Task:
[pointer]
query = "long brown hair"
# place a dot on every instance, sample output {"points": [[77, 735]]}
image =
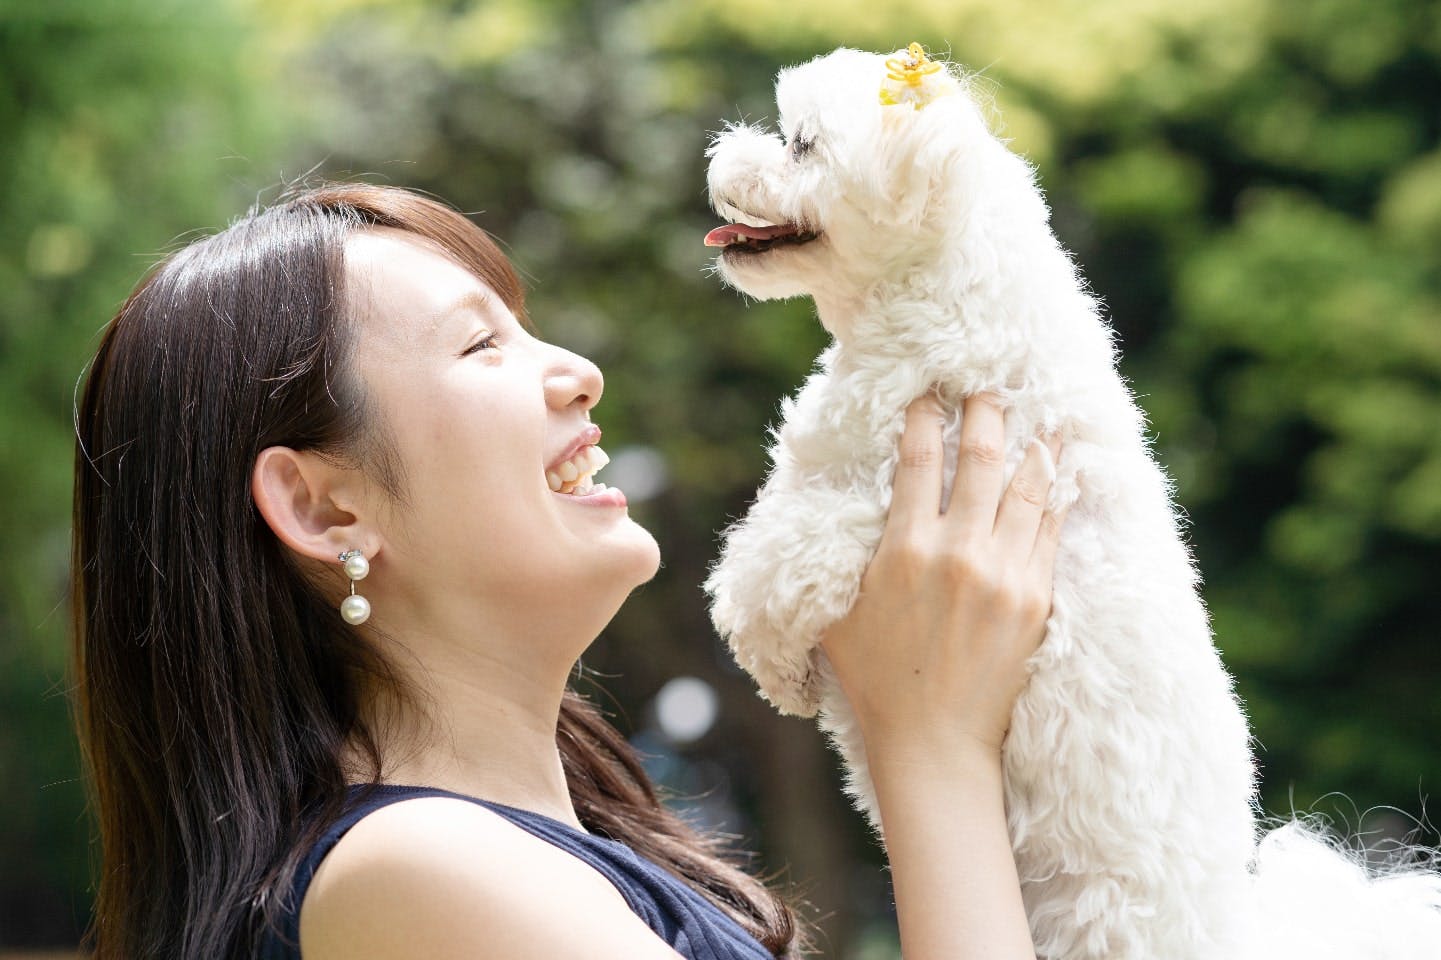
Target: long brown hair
{"points": [[216, 688]]}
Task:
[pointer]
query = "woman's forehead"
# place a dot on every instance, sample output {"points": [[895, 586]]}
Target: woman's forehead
{"points": [[407, 285]]}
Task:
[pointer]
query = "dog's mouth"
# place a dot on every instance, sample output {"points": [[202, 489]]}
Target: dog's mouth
{"points": [[740, 237]]}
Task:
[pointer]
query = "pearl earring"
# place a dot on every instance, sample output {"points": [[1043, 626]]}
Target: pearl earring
{"points": [[355, 609]]}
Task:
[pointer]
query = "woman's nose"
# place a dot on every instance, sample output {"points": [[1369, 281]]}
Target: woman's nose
{"points": [[572, 379]]}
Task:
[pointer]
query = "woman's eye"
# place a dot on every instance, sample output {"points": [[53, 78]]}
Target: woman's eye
{"points": [[488, 343]]}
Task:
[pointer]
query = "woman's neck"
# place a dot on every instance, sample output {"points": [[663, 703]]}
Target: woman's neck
{"points": [[477, 724]]}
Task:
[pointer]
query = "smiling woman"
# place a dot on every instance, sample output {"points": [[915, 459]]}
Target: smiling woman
{"points": [[340, 393], [347, 370]]}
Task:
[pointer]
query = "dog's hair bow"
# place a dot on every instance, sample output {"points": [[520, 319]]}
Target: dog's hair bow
{"points": [[909, 79]]}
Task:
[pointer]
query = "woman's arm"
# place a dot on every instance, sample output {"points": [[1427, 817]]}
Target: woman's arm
{"points": [[932, 657]]}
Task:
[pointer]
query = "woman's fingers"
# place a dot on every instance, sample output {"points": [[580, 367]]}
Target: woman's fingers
{"points": [[1025, 498], [980, 466], [1015, 519], [938, 638], [1048, 540], [916, 493]]}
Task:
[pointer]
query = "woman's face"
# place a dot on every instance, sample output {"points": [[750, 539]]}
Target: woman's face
{"points": [[480, 412]]}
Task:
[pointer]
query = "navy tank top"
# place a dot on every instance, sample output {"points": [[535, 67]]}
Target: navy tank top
{"points": [[693, 926]]}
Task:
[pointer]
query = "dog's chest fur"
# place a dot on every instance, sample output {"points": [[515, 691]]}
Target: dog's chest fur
{"points": [[1126, 685]]}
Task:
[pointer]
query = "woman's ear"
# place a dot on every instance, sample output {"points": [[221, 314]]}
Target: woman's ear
{"points": [[304, 500]]}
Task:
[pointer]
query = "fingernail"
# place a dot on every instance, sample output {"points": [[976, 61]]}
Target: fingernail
{"points": [[1049, 459]]}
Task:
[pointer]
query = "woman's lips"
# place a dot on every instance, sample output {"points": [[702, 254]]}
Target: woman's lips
{"points": [[588, 437], [599, 496]]}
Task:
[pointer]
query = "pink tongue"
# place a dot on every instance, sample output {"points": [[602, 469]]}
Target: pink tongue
{"points": [[731, 232]]}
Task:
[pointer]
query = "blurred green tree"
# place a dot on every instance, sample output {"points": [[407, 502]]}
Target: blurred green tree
{"points": [[126, 123], [1254, 189], [1271, 248]]}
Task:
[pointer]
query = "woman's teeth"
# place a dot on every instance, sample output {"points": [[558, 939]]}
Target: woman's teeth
{"points": [[574, 475]]}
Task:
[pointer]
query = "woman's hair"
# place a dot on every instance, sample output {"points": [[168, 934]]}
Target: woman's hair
{"points": [[217, 689]]}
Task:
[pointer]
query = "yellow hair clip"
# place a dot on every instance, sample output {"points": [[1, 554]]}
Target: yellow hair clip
{"points": [[906, 79]]}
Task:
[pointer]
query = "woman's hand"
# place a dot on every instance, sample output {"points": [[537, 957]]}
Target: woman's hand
{"points": [[933, 652]]}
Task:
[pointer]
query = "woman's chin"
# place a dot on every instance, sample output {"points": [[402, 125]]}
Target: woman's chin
{"points": [[622, 557], [624, 565], [640, 557]]}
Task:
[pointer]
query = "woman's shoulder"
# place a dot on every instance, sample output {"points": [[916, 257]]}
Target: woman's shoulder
{"points": [[440, 876]]}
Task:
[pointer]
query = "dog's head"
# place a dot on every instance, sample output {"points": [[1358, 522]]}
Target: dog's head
{"points": [[861, 184]]}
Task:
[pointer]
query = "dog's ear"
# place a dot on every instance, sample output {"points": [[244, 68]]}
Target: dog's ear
{"points": [[921, 149], [909, 156]]}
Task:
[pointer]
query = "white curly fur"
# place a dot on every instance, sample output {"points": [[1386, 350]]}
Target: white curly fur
{"points": [[1129, 780]]}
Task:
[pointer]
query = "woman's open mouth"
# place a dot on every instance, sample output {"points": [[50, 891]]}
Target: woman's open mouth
{"points": [[740, 237], [569, 476], [572, 477]]}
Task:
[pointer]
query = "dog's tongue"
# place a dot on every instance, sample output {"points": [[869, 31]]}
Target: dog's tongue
{"points": [[731, 232]]}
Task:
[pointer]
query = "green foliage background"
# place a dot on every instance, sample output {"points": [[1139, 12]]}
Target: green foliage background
{"points": [[1253, 186]]}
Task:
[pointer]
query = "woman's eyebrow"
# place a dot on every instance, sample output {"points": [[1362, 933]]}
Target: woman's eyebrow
{"points": [[480, 302]]}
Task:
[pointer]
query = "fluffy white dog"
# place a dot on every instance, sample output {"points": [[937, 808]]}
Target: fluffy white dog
{"points": [[1129, 780]]}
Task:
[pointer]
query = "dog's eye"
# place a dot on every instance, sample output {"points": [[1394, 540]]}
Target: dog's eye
{"points": [[800, 146]]}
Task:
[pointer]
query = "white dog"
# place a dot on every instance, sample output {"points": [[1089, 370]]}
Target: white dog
{"points": [[1129, 780]]}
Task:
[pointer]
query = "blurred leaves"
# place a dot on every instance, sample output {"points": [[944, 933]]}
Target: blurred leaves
{"points": [[124, 123], [1254, 188]]}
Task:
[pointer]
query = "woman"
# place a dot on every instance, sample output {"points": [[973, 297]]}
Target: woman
{"points": [[339, 396]]}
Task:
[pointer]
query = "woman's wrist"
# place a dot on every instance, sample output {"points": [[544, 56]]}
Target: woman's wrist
{"points": [[930, 753], [943, 814]]}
